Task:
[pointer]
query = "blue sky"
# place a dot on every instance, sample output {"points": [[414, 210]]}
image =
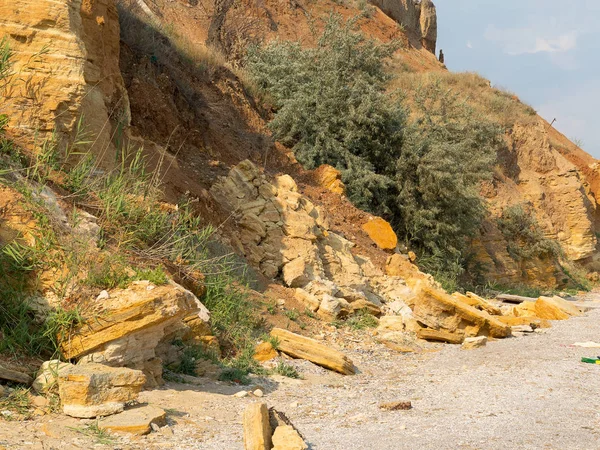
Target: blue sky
{"points": [[545, 51]]}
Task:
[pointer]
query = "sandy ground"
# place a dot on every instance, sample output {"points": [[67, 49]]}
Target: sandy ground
{"points": [[528, 392]]}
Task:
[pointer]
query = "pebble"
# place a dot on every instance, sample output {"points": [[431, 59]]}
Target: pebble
{"points": [[103, 296], [241, 394], [258, 393]]}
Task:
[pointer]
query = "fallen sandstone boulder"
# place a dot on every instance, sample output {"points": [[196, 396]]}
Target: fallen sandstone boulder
{"points": [[257, 428], [330, 178], [93, 390], [135, 328], [305, 348], [137, 420], [474, 342], [440, 311], [440, 336], [381, 233]]}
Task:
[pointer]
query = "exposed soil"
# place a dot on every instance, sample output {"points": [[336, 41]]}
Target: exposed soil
{"points": [[529, 392]]}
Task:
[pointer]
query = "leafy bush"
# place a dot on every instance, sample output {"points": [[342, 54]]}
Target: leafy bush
{"points": [[449, 150], [524, 236], [332, 107]]}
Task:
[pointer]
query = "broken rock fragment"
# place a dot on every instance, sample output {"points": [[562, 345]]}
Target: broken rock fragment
{"points": [[138, 420], [93, 390], [305, 348], [257, 428]]}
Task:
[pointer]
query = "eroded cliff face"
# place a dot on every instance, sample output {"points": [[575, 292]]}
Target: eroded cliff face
{"points": [[419, 19], [65, 66]]}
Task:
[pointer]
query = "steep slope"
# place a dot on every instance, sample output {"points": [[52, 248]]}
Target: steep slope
{"points": [[196, 118]]}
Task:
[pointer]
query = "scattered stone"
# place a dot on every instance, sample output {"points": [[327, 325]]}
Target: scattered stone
{"points": [[257, 429], [264, 352], [522, 329], [396, 406], [92, 390], [14, 375], [241, 394], [471, 343], [286, 437], [381, 232], [535, 321], [104, 295], [280, 302], [330, 178], [166, 431], [140, 420], [47, 378], [305, 348], [440, 335], [258, 393]]}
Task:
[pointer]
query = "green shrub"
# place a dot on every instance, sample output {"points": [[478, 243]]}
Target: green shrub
{"points": [[286, 370], [332, 107], [524, 236], [448, 152]]}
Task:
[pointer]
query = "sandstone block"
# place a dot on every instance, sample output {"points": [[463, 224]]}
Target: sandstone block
{"points": [[128, 328], [474, 342], [92, 390], [381, 232], [308, 299], [441, 336], [286, 438], [264, 352], [512, 321], [391, 323], [294, 273], [547, 308], [257, 429], [332, 308], [305, 348], [330, 178], [563, 304], [365, 305], [439, 310], [137, 420]]}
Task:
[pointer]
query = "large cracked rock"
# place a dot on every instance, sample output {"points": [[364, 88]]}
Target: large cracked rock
{"points": [[135, 327], [440, 311], [93, 390]]}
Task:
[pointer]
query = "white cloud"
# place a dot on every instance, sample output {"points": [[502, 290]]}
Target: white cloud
{"points": [[519, 41], [469, 44]]}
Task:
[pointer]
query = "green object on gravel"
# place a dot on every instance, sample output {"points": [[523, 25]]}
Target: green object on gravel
{"points": [[591, 360]]}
